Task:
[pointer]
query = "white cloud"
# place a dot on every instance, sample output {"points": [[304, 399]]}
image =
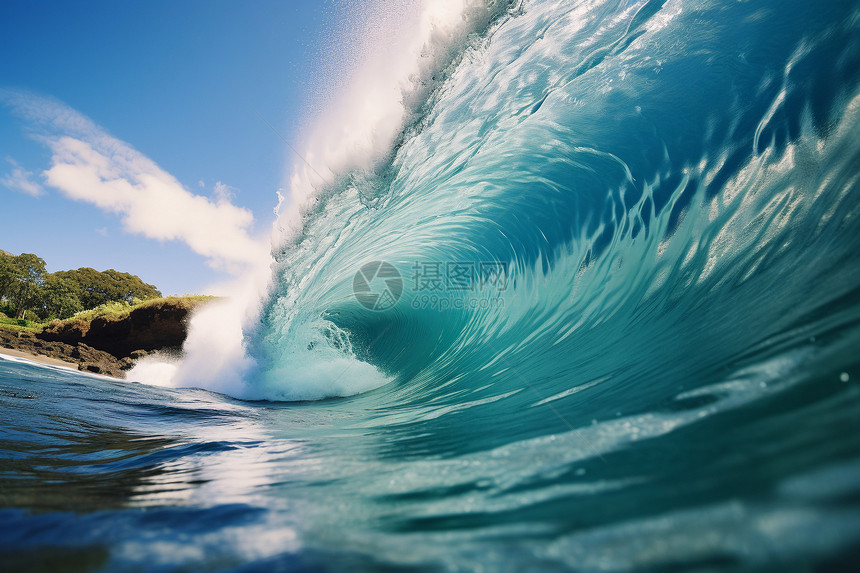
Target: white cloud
{"points": [[88, 164], [223, 192], [21, 180]]}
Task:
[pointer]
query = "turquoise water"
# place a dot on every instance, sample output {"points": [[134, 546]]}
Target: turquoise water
{"points": [[617, 329]]}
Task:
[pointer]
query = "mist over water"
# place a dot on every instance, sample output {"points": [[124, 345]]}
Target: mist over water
{"points": [[617, 327]]}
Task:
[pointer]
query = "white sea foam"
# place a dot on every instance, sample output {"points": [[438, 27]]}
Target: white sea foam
{"points": [[215, 354]]}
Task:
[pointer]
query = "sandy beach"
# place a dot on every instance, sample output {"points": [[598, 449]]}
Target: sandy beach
{"points": [[37, 358]]}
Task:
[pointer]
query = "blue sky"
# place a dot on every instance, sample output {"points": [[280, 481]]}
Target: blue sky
{"points": [[179, 82]]}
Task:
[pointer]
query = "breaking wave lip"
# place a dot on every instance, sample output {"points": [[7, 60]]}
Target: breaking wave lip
{"points": [[382, 102]]}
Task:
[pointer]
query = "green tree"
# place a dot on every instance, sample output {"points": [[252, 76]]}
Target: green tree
{"points": [[9, 273], [128, 287], [27, 290], [95, 288], [59, 298]]}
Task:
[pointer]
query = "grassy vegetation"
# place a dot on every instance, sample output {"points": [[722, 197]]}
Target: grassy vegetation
{"points": [[110, 311], [120, 309], [15, 325]]}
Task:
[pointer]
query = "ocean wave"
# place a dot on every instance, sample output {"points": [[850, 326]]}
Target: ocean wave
{"points": [[663, 187]]}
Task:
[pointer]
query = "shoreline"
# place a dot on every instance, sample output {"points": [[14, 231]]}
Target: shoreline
{"points": [[39, 358], [108, 345], [78, 356]]}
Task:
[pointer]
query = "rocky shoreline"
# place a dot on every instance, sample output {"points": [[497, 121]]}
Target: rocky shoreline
{"points": [[86, 358], [105, 346]]}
